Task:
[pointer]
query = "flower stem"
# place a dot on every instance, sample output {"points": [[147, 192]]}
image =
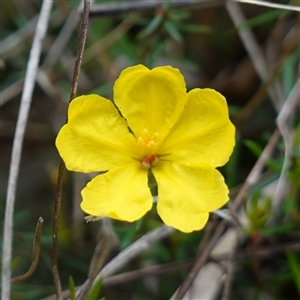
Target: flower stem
{"points": [[82, 39]]}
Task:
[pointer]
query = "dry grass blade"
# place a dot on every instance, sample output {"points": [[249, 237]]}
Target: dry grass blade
{"points": [[31, 73]]}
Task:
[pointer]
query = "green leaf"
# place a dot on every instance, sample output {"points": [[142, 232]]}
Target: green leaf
{"points": [[289, 71], [263, 18], [254, 147], [172, 30], [279, 229], [153, 25], [72, 288], [294, 266], [95, 291], [190, 28]]}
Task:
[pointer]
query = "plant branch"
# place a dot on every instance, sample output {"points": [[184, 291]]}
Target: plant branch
{"points": [[254, 52], [26, 98], [35, 252], [82, 39], [287, 111], [117, 8], [270, 4], [106, 243]]}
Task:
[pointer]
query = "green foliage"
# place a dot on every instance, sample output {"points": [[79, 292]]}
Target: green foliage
{"points": [[95, 291], [72, 288], [258, 211], [294, 264], [264, 18], [289, 71], [254, 147]]}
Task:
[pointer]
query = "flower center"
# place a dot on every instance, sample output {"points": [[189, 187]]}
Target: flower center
{"points": [[149, 144], [148, 162]]}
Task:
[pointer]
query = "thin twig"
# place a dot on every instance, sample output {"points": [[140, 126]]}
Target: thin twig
{"points": [[230, 268], [200, 261], [158, 270], [270, 4], [12, 91], [288, 110], [254, 52], [13, 40], [116, 8], [81, 45], [18, 142], [55, 230], [105, 244], [142, 244], [9, 44], [35, 252], [63, 38], [253, 176], [258, 97], [82, 39]]}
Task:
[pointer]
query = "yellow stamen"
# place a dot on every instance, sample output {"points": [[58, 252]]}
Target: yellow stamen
{"points": [[148, 143]]}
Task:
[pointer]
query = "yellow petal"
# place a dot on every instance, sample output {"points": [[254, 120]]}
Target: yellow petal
{"points": [[204, 133], [96, 137], [187, 194], [150, 99], [121, 193]]}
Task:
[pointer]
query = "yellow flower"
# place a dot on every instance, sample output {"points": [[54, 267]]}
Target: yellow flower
{"points": [[153, 123]]}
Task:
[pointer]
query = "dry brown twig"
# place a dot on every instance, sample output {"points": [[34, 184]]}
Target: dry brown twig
{"points": [[35, 252], [31, 73], [270, 4], [249, 41], [105, 244], [288, 132], [81, 44], [115, 8], [63, 38]]}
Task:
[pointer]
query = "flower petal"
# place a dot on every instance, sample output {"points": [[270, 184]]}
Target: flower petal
{"points": [[150, 99], [96, 137], [203, 133], [187, 194], [121, 193]]}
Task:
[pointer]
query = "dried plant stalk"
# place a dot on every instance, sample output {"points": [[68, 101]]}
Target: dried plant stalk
{"points": [[82, 39], [31, 73], [35, 252]]}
